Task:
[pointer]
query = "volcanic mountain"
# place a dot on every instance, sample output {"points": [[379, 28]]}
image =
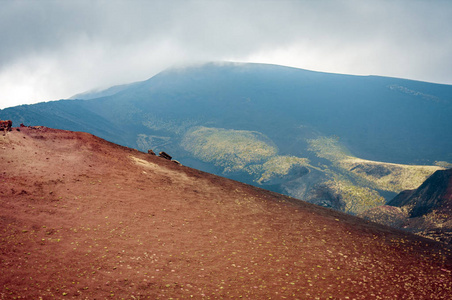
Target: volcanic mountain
{"points": [[81, 217], [346, 142]]}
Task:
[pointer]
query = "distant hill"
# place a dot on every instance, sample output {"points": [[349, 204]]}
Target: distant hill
{"points": [[84, 218], [426, 210], [325, 138], [435, 194]]}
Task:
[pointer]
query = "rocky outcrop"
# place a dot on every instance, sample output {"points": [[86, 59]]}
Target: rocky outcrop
{"points": [[435, 194], [426, 211], [165, 155], [6, 125]]}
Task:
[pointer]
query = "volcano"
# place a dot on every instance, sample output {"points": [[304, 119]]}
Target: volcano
{"points": [[346, 142]]}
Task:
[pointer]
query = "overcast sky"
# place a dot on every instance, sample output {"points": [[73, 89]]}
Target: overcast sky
{"points": [[54, 49]]}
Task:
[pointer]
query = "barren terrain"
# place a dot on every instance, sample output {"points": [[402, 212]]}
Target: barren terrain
{"points": [[84, 218]]}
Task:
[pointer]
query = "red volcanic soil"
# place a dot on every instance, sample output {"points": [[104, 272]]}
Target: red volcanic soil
{"points": [[84, 218]]}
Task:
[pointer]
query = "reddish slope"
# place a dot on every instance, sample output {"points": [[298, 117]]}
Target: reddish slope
{"points": [[81, 217]]}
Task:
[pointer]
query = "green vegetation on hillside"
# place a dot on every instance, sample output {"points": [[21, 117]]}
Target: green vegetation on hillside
{"points": [[352, 180], [379, 175], [388, 176], [241, 150], [443, 164], [357, 180], [328, 148], [230, 149], [280, 166], [357, 198]]}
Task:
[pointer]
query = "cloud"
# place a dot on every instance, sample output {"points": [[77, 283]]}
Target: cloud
{"points": [[54, 49]]}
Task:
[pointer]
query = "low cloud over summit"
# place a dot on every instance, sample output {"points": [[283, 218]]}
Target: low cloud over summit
{"points": [[52, 50]]}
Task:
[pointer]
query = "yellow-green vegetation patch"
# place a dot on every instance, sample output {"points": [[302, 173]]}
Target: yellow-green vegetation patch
{"points": [[329, 148], [443, 164], [228, 148], [379, 175], [357, 199], [280, 165], [388, 176]]}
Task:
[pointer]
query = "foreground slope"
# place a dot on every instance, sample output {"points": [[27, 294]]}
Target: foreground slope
{"points": [[82, 217]]}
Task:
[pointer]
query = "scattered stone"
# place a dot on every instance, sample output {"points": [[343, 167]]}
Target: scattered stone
{"points": [[6, 125], [165, 155]]}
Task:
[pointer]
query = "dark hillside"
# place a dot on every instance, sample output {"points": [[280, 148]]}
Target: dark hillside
{"points": [[434, 194], [426, 210]]}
